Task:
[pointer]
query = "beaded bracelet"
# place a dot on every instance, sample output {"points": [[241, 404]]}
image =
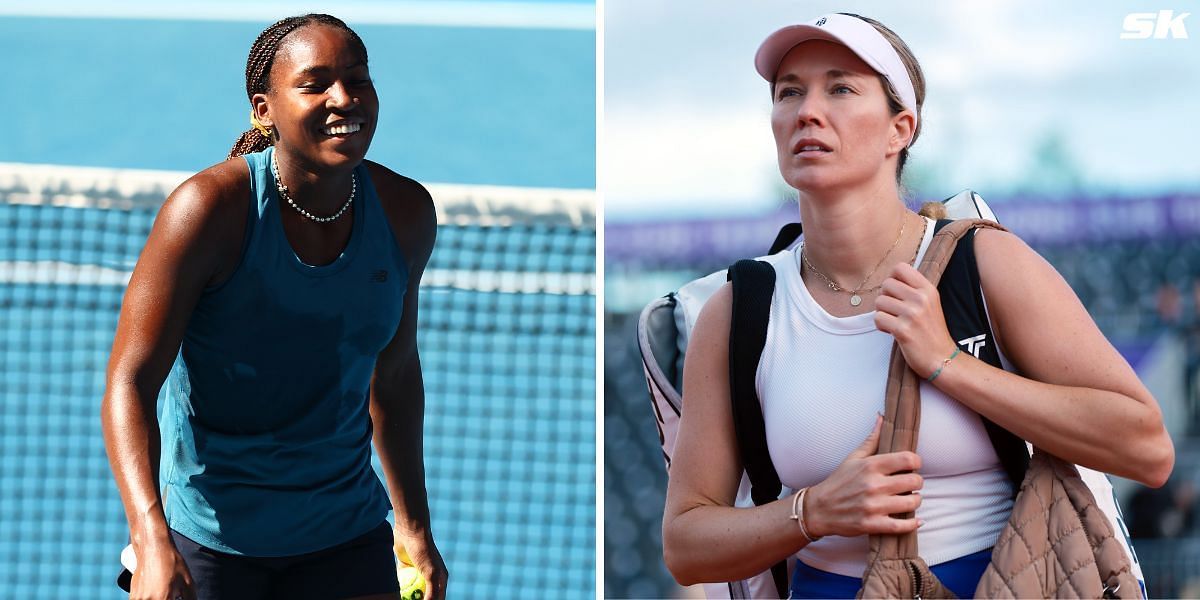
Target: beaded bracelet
{"points": [[798, 514], [944, 363]]}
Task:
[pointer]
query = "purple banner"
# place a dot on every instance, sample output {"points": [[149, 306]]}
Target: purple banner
{"points": [[1038, 222]]}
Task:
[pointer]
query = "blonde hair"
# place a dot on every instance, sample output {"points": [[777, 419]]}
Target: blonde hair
{"points": [[914, 73], [933, 210]]}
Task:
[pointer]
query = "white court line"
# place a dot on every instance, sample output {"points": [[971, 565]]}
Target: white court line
{"points": [[464, 13], [513, 282]]}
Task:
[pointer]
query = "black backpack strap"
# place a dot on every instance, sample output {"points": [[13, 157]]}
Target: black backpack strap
{"points": [[967, 321], [753, 286], [787, 234]]}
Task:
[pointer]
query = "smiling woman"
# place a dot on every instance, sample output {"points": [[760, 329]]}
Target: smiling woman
{"points": [[289, 335]]}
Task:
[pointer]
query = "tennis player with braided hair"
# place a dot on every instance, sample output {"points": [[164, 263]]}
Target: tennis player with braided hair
{"points": [[846, 98], [278, 292]]}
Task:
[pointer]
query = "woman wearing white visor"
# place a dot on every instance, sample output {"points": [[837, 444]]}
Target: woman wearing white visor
{"points": [[847, 95]]}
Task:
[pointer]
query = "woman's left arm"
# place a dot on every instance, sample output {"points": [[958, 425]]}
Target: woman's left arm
{"points": [[1075, 396], [397, 387]]}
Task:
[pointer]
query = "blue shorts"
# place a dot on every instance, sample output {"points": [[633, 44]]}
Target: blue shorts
{"points": [[362, 566], [960, 576]]}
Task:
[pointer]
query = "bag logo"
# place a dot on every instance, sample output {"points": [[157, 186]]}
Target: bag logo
{"points": [[974, 344]]}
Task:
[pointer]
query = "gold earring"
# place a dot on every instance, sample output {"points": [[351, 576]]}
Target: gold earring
{"points": [[265, 130]]}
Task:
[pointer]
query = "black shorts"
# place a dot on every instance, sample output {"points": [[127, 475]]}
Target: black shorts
{"points": [[362, 566]]}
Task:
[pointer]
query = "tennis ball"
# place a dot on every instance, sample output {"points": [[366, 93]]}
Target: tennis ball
{"points": [[412, 585]]}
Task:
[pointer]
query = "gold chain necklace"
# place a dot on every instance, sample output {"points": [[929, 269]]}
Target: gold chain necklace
{"points": [[855, 297]]}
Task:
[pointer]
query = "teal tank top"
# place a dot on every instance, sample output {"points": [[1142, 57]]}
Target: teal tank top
{"points": [[266, 434]]}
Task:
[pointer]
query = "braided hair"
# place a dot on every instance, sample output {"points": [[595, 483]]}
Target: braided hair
{"points": [[258, 68]]}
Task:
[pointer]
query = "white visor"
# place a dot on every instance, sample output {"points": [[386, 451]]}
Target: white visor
{"points": [[859, 36]]}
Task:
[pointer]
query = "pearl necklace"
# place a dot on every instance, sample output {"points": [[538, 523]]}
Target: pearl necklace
{"points": [[283, 193]]}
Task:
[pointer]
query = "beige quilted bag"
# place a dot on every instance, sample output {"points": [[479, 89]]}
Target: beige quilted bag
{"points": [[1057, 543]]}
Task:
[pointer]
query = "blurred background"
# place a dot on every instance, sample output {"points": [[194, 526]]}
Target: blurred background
{"points": [[1085, 144], [108, 106]]}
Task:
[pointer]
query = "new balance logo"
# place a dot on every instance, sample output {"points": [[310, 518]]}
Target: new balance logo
{"points": [[974, 344], [379, 276]]}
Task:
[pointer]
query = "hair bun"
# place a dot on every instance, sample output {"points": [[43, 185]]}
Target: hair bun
{"points": [[933, 210]]}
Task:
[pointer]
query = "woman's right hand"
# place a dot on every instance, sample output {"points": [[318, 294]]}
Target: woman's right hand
{"points": [[860, 496], [161, 574]]}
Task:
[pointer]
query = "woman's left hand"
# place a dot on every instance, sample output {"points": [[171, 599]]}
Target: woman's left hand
{"points": [[426, 558], [910, 309]]}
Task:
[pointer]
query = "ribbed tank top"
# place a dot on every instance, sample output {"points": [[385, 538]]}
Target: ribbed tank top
{"points": [[821, 380], [266, 429]]}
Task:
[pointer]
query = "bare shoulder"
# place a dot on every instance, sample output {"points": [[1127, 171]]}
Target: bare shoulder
{"points": [[402, 194], [410, 211], [712, 325], [993, 241], [1040, 324], [206, 215], [1008, 267], [212, 196], [394, 186]]}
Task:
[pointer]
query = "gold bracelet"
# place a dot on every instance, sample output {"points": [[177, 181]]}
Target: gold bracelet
{"points": [[798, 514]]}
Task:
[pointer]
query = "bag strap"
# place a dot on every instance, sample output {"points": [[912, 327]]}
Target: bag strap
{"points": [[753, 286], [902, 401], [787, 234], [967, 320]]}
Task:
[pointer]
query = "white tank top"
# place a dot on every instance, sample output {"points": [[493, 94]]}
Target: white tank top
{"points": [[821, 381]]}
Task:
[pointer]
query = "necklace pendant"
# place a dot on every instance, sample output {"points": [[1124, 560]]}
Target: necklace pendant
{"points": [[855, 300]]}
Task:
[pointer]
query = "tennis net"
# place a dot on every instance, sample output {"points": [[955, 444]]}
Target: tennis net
{"points": [[507, 343]]}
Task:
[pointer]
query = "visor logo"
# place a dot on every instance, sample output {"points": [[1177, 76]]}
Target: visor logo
{"points": [[1161, 25], [821, 22]]}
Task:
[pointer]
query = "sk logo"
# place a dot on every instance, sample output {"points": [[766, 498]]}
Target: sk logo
{"points": [[1160, 26], [379, 276], [974, 344]]}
